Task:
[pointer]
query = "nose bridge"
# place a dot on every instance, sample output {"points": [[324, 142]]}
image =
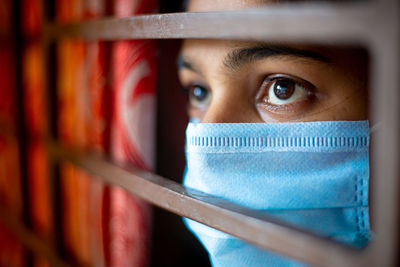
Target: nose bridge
{"points": [[221, 114], [229, 106]]}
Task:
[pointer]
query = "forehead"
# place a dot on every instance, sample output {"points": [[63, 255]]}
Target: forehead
{"points": [[350, 59], [215, 5]]}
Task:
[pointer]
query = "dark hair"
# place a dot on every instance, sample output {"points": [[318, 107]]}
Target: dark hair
{"points": [[184, 5]]}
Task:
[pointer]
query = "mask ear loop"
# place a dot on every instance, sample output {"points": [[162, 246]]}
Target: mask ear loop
{"points": [[375, 128]]}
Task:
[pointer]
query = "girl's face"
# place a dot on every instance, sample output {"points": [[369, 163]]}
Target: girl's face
{"points": [[238, 81]]}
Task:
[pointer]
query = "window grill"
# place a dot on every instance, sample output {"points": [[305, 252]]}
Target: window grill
{"points": [[371, 24]]}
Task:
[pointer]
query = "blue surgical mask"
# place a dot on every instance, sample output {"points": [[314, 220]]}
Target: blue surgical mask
{"points": [[312, 174]]}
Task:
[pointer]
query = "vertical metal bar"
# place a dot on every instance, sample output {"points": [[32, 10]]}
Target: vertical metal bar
{"points": [[22, 133], [50, 72], [385, 145]]}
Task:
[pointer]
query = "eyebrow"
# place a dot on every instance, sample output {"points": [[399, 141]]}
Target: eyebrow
{"points": [[239, 57], [184, 63], [242, 56]]}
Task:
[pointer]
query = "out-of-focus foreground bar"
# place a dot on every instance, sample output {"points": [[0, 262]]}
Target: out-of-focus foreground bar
{"points": [[345, 23], [261, 230]]}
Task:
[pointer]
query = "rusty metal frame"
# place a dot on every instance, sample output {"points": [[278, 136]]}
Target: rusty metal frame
{"points": [[373, 24], [351, 22]]}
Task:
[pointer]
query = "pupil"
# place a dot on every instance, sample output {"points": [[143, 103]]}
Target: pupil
{"points": [[199, 93], [284, 88]]}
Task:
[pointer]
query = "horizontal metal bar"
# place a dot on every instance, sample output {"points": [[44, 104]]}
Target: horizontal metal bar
{"points": [[31, 240], [300, 22], [261, 230]]}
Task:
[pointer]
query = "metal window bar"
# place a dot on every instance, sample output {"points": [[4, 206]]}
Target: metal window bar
{"points": [[372, 24], [352, 23], [30, 240]]}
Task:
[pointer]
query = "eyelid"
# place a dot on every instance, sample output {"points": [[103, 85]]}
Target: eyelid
{"points": [[289, 108], [309, 86]]}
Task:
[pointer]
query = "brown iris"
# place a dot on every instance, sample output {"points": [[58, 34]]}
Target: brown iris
{"points": [[284, 88]]}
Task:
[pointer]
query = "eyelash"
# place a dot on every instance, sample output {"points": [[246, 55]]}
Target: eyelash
{"points": [[263, 95], [263, 98]]}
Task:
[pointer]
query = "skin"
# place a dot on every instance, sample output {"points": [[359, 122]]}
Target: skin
{"points": [[237, 81]]}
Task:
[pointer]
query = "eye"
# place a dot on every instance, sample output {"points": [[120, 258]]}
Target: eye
{"points": [[283, 90], [199, 96]]}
